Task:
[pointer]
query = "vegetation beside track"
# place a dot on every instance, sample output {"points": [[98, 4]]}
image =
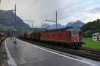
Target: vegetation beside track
{"points": [[91, 44]]}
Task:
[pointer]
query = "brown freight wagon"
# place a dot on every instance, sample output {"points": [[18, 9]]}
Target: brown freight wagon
{"points": [[25, 35], [22, 35], [36, 36], [29, 35]]}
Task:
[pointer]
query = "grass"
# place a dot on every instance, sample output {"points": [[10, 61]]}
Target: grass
{"points": [[91, 44]]}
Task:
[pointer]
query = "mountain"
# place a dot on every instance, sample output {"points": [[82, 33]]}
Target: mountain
{"points": [[76, 24], [7, 22], [53, 26], [8, 18], [91, 27]]}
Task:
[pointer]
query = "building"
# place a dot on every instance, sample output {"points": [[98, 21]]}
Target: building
{"points": [[96, 36]]}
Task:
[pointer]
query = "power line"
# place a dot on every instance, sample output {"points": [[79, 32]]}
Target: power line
{"points": [[78, 13], [82, 11], [64, 8], [54, 11], [28, 8], [72, 5]]}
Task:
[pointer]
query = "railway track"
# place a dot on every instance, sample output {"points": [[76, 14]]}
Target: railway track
{"points": [[84, 52], [93, 51]]}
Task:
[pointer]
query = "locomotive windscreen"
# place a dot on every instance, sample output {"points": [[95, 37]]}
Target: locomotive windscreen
{"points": [[75, 33]]}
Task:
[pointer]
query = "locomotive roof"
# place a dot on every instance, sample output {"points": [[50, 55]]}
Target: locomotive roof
{"points": [[62, 29], [54, 30], [29, 32], [74, 29]]}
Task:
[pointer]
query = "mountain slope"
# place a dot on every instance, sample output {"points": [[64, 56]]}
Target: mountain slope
{"points": [[7, 22], [8, 18], [75, 25]]}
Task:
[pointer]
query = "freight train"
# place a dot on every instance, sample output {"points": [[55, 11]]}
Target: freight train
{"points": [[65, 37]]}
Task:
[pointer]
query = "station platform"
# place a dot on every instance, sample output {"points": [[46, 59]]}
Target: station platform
{"points": [[28, 54]]}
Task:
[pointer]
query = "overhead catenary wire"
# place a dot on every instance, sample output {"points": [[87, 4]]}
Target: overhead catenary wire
{"points": [[71, 5], [63, 8], [58, 9], [52, 12], [28, 8], [82, 11], [84, 18], [76, 14], [74, 5]]}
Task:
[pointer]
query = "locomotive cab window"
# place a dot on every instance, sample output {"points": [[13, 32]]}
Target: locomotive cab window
{"points": [[68, 33], [80, 33], [53, 34], [60, 34], [75, 33]]}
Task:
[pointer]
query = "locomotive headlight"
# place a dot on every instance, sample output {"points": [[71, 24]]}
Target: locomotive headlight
{"points": [[73, 40]]}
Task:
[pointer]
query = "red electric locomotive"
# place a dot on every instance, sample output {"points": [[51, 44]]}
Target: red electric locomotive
{"points": [[67, 37]]}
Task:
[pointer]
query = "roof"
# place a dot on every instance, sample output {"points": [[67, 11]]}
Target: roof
{"points": [[54, 30], [30, 32], [96, 33]]}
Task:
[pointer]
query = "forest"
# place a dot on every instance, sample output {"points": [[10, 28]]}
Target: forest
{"points": [[91, 27]]}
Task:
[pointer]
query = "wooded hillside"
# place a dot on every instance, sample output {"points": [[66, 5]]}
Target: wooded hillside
{"points": [[91, 27]]}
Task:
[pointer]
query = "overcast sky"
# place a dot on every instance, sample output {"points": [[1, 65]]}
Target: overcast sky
{"points": [[68, 10]]}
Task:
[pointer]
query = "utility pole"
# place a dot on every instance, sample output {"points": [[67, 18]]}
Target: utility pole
{"points": [[32, 26], [15, 26], [30, 21], [0, 49], [15, 16], [56, 19], [51, 20]]}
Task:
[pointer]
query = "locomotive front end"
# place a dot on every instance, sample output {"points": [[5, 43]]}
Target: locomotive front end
{"points": [[76, 38], [76, 35]]}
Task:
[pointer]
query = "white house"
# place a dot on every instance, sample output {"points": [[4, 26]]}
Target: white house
{"points": [[96, 36]]}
